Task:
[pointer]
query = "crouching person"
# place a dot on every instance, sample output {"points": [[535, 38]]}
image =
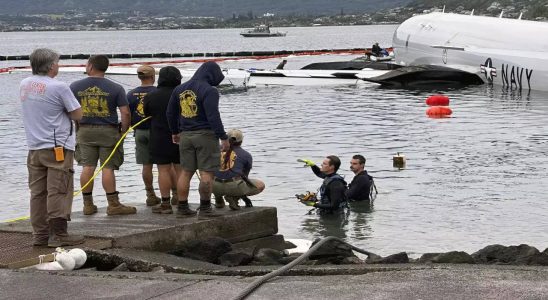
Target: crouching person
{"points": [[231, 182]]}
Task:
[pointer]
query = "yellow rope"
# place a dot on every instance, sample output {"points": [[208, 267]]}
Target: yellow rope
{"points": [[96, 172]]}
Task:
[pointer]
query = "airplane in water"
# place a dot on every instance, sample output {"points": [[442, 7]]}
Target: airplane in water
{"points": [[443, 47]]}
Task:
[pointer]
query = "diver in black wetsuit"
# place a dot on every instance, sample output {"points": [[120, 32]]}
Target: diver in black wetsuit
{"points": [[360, 187], [332, 192]]}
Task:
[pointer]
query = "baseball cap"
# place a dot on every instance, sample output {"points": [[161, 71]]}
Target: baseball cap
{"points": [[146, 70], [236, 135]]}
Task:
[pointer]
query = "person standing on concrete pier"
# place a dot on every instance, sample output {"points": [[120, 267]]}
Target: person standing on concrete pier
{"points": [[48, 108], [99, 132], [147, 76], [163, 152], [195, 121]]}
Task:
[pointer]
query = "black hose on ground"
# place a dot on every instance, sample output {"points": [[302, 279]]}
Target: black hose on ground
{"points": [[255, 284]]}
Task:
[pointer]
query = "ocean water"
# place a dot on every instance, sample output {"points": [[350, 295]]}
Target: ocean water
{"points": [[471, 180]]}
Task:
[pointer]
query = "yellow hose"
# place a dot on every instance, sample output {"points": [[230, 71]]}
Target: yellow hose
{"points": [[96, 172]]}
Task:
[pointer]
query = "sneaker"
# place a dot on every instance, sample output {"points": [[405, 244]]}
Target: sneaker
{"points": [[174, 200], [153, 200], [185, 212], [59, 240], [163, 208], [206, 212], [41, 241], [219, 202], [247, 201], [233, 202]]}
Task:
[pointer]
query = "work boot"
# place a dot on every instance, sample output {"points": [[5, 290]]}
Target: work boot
{"points": [[163, 208], [152, 199], [117, 208], [40, 241], [219, 201], [184, 211], [233, 202], [247, 201], [89, 207], [59, 236], [206, 212], [174, 198]]}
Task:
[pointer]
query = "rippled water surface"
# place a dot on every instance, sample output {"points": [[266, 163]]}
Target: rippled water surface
{"points": [[471, 180]]}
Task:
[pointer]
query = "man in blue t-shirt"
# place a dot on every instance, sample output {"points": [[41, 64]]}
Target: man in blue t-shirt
{"points": [[135, 97], [232, 179], [99, 132]]}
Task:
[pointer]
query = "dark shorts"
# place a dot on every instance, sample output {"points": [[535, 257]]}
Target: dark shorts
{"points": [[200, 150], [96, 143], [142, 140]]}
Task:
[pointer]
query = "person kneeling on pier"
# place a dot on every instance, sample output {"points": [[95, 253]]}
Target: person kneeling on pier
{"points": [[231, 181], [332, 195]]}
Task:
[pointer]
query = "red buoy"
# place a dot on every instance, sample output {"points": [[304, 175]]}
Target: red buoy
{"points": [[437, 100], [438, 112]]}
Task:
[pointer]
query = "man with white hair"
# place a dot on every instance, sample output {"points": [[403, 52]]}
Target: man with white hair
{"points": [[48, 108]]}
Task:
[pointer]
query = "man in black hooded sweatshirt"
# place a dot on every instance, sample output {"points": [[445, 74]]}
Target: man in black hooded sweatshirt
{"points": [[162, 151], [196, 125]]}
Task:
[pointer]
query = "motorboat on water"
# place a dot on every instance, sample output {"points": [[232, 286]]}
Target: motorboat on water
{"points": [[261, 31]]}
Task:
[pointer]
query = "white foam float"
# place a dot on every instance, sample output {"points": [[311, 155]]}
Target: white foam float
{"points": [[63, 260], [302, 246]]}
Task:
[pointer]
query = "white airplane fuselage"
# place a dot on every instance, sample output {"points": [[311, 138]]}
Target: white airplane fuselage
{"points": [[508, 52]]}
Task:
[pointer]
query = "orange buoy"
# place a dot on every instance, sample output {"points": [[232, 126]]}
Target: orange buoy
{"points": [[438, 112], [437, 100]]}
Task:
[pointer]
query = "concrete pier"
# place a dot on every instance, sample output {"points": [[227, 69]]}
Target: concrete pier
{"points": [[144, 230]]}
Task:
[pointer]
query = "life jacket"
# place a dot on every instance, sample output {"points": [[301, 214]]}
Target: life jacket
{"points": [[324, 197]]}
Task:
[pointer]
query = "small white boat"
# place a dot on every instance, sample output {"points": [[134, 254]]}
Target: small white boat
{"points": [[261, 31]]}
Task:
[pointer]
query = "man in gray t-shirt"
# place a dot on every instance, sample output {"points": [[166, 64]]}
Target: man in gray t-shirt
{"points": [[48, 107], [99, 132]]}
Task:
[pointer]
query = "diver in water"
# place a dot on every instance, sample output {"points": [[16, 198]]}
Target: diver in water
{"points": [[332, 196]]}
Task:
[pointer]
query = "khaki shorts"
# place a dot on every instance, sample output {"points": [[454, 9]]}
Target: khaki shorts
{"points": [[142, 152], [199, 150], [94, 143], [235, 188]]}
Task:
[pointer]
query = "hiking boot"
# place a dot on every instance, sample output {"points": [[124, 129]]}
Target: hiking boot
{"points": [[59, 236], [89, 207], [163, 208], [152, 199], [117, 208], [233, 202], [174, 198], [247, 201], [206, 212], [184, 211], [219, 201], [40, 241]]}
